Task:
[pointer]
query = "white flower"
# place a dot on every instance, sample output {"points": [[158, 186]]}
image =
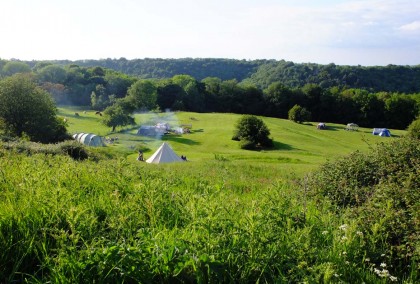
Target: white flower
{"points": [[367, 259], [336, 275], [359, 233], [384, 273], [344, 253], [383, 255], [383, 264], [324, 232], [343, 227], [393, 278]]}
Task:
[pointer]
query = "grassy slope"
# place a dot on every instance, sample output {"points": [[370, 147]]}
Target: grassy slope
{"points": [[298, 147]]}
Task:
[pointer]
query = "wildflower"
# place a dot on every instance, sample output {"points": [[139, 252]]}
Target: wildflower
{"points": [[343, 227], [393, 278], [384, 273], [367, 259], [359, 233], [383, 264], [344, 253], [383, 255], [324, 232]]}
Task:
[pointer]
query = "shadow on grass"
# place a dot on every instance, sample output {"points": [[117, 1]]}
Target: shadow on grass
{"points": [[281, 146], [180, 139], [332, 128]]}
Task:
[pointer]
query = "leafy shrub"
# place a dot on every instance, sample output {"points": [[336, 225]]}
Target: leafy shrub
{"points": [[381, 191], [350, 181], [253, 131], [414, 129], [73, 149], [70, 148], [247, 145], [299, 114]]}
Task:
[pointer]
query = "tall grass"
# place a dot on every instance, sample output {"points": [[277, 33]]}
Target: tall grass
{"points": [[112, 221]]}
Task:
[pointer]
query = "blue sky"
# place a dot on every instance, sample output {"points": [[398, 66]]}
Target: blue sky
{"points": [[366, 32]]}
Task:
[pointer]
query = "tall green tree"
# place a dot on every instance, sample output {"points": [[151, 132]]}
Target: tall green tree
{"points": [[252, 132], [143, 95], [14, 67], [52, 74], [299, 114], [400, 111], [116, 115], [27, 110]]}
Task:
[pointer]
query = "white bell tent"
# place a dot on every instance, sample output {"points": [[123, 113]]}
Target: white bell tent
{"points": [[164, 154]]}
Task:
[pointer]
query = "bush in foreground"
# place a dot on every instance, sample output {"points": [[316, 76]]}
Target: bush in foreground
{"points": [[414, 129], [381, 191]]}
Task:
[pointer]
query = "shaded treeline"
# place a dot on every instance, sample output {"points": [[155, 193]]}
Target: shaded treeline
{"points": [[101, 87], [262, 73]]}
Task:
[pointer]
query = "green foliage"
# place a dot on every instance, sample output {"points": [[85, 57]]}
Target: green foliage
{"points": [[92, 222], [70, 148], [252, 132], [14, 67], [299, 114], [142, 95], [414, 129], [116, 115], [28, 111], [381, 188]]}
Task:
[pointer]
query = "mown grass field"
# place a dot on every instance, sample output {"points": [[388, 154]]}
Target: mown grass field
{"points": [[299, 148]]}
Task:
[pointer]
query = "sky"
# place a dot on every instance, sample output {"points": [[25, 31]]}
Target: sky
{"points": [[344, 32]]}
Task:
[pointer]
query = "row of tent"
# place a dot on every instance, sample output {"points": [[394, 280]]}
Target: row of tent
{"points": [[164, 154], [383, 132]]}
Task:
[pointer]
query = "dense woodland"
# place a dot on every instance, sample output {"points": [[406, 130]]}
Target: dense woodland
{"points": [[369, 96], [391, 78]]}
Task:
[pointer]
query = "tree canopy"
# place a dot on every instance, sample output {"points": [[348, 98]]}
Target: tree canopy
{"points": [[252, 132], [27, 110]]}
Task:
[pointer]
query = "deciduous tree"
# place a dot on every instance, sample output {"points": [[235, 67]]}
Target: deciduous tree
{"points": [[252, 132], [27, 110]]}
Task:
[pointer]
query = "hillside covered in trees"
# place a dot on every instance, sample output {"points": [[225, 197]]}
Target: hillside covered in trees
{"points": [[385, 96], [391, 78]]}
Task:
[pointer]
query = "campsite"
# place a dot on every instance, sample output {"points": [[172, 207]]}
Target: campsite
{"points": [[226, 215], [298, 148]]}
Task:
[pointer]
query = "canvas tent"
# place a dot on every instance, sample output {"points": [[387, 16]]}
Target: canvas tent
{"points": [[89, 139], [321, 126], [352, 127], [147, 130], [381, 132], [164, 154]]}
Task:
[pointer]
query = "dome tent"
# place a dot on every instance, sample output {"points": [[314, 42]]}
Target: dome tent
{"points": [[164, 154], [381, 132], [89, 139]]}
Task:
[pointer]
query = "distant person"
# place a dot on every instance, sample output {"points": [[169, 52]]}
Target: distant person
{"points": [[184, 157], [140, 156]]}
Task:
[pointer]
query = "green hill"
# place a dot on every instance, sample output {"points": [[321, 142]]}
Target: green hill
{"points": [[297, 147]]}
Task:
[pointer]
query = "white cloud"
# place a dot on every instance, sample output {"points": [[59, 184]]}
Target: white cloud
{"points": [[413, 27]]}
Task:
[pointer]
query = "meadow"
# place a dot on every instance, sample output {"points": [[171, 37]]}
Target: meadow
{"points": [[226, 216], [298, 148]]}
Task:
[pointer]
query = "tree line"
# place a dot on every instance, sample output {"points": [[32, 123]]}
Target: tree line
{"points": [[101, 88]]}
